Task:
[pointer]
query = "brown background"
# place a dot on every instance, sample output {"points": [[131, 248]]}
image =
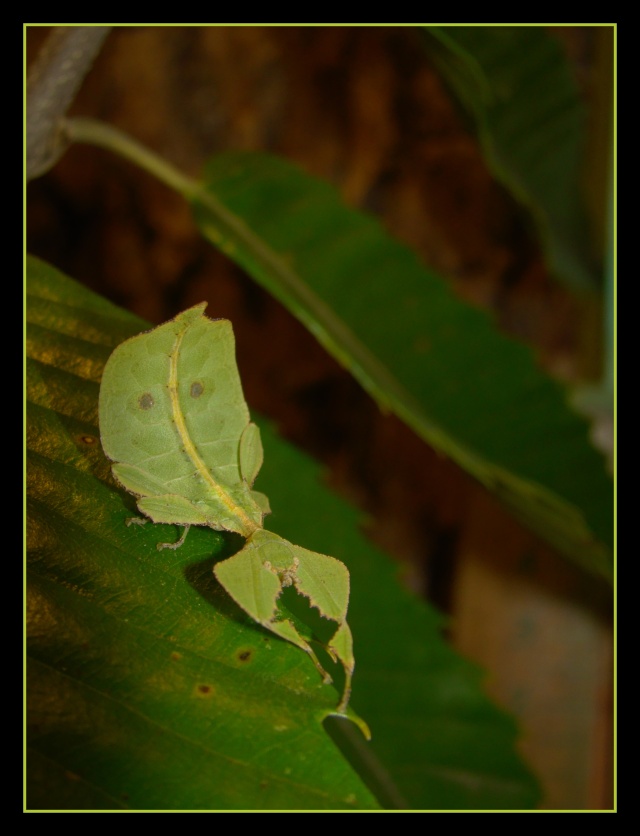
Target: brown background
{"points": [[363, 108]]}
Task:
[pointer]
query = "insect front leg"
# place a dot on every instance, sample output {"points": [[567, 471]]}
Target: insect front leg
{"points": [[136, 521], [160, 546], [177, 544]]}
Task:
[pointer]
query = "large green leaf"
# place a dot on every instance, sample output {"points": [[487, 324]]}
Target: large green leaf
{"points": [[138, 687], [149, 689], [439, 364], [516, 84]]}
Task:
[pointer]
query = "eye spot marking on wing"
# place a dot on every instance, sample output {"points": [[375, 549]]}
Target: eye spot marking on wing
{"points": [[196, 389]]}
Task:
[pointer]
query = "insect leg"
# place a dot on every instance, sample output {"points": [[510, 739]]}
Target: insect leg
{"points": [[177, 544]]}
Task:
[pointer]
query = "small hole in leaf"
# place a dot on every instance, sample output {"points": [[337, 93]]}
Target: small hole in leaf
{"points": [[146, 401]]}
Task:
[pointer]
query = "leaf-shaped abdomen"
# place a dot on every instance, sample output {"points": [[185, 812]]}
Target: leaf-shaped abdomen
{"points": [[171, 406]]}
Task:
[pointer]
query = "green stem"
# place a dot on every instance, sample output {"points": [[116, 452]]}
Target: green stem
{"points": [[92, 132]]}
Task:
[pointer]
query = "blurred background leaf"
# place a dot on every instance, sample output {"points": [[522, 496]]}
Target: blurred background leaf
{"points": [[515, 84], [469, 391]]}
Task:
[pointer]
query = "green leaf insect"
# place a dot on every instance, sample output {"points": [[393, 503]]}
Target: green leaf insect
{"points": [[174, 422]]}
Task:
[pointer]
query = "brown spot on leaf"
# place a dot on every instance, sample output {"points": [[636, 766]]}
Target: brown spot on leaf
{"points": [[87, 440]]}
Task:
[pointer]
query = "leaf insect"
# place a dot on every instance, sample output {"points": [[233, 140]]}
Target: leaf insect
{"points": [[174, 422]]}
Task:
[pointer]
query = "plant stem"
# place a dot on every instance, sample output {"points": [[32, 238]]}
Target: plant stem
{"points": [[92, 132]]}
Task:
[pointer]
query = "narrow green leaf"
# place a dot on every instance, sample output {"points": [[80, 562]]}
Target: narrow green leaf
{"points": [[516, 84], [149, 689], [469, 391]]}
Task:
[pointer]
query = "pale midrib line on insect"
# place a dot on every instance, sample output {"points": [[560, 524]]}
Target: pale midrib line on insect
{"points": [[189, 446]]}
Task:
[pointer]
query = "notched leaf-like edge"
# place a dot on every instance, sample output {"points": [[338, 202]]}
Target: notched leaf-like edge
{"points": [[255, 578]]}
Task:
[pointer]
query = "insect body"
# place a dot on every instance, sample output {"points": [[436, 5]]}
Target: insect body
{"points": [[174, 422]]}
